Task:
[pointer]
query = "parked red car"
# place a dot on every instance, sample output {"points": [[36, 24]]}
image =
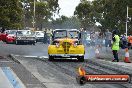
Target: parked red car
{"points": [[3, 36], [11, 37]]}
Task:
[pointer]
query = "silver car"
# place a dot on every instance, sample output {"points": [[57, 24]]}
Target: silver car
{"points": [[25, 36]]}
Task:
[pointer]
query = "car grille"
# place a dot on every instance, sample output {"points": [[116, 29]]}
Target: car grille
{"points": [[26, 38], [66, 46]]}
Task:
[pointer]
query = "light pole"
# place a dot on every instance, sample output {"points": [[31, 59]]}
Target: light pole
{"points": [[23, 7], [24, 17], [34, 16], [126, 21]]}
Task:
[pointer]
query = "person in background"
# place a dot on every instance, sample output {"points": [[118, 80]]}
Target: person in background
{"points": [[100, 37], [115, 45], [129, 41], [108, 38], [45, 38], [92, 39], [3, 30], [124, 42]]}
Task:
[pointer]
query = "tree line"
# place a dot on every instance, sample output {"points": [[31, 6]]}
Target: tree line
{"points": [[109, 13], [16, 14]]}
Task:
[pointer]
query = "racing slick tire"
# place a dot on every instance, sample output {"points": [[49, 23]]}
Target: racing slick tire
{"points": [[80, 58], [51, 58]]}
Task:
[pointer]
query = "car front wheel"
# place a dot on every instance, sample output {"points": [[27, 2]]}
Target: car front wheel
{"points": [[51, 58]]}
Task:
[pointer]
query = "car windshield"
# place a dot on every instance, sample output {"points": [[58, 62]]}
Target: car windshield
{"points": [[73, 34], [64, 33], [39, 33], [12, 32], [24, 33], [60, 34]]}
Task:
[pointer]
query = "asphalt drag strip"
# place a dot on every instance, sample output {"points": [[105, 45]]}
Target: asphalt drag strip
{"points": [[62, 74]]}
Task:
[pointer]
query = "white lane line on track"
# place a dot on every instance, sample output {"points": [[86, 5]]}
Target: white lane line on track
{"points": [[30, 56], [5, 61], [4, 82], [12, 78], [43, 57]]}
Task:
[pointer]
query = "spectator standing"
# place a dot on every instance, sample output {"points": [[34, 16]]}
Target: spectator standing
{"points": [[92, 36], [115, 45], [124, 42], [45, 38], [130, 41], [108, 38], [2, 30], [98, 39]]}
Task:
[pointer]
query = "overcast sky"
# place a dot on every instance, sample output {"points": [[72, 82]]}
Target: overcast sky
{"points": [[68, 7]]}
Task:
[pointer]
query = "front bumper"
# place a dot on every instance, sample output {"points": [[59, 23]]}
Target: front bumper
{"points": [[40, 39], [66, 55], [27, 41], [10, 40]]}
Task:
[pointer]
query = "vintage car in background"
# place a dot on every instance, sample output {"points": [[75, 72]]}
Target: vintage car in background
{"points": [[25, 36], [11, 36], [66, 43], [39, 35]]}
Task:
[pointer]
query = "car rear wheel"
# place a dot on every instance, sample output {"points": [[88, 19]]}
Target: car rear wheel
{"points": [[51, 58], [80, 58]]}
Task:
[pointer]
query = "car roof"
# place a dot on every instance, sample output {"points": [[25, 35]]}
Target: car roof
{"points": [[13, 30], [23, 30], [66, 29]]}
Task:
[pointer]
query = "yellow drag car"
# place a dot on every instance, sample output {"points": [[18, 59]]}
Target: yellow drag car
{"points": [[66, 43]]}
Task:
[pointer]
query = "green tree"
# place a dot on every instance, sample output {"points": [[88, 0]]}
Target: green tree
{"points": [[66, 23], [109, 13], [10, 14], [44, 10], [85, 13]]}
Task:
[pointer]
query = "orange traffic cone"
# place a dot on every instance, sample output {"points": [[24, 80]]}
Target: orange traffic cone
{"points": [[126, 59]]}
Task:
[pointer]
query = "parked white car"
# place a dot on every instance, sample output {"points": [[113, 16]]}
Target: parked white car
{"points": [[39, 35]]}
